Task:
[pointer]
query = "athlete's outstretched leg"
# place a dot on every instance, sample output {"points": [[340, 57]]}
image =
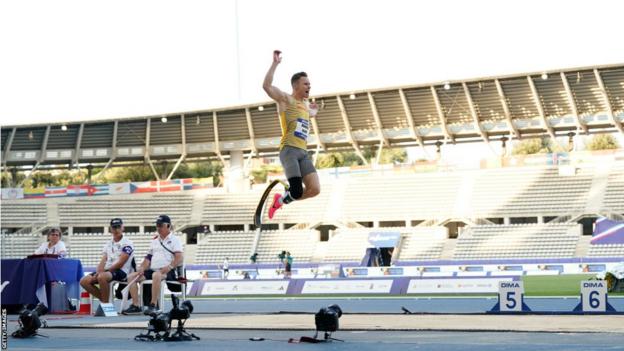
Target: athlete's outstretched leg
{"points": [[312, 186]]}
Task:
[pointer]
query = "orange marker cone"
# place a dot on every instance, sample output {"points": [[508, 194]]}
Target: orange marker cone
{"points": [[85, 303]]}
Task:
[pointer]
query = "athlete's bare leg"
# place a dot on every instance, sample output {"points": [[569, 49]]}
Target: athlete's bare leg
{"points": [[312, 186]]}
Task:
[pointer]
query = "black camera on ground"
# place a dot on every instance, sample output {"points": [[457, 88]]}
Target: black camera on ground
{"points": [[30, 322], [160, 323], [180, 311], [326, 319]]}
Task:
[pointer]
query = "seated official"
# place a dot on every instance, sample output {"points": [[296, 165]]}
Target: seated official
{"points": [[164, 255], [116, 263], [54, 245]]}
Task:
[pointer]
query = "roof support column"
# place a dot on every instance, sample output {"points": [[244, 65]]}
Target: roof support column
{"points": [[114, 145], [113, 154], [503, 101], [315, 127], [7, 148], [216, 134], [540, 110], [146, 154], [572, 103], [438, 106], [44, 148], [410, 120], [183, 156], [252, 135], [78, 142], [473, 112], [347, 125], [382, 138], [603, 91]]}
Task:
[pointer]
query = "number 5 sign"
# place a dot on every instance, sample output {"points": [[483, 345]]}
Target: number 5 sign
{"points": [[594, 297], [510, 297]]}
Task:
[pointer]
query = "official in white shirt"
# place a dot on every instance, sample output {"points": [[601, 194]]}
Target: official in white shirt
{"points": [[164, 255], [116, 263], [226, 268], [54, 246]]}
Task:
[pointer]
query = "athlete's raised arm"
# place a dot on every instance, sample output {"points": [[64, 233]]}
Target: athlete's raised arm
{"points": [[274, 92]]}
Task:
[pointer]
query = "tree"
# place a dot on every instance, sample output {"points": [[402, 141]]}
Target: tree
{"points": [[41, 179], [330, 160], [128, 174], [350, 158], [142, 173], [207, 169], [260, 174], [388, 155], [7, 180], [603, 142], [394, 156], [533, 146]]}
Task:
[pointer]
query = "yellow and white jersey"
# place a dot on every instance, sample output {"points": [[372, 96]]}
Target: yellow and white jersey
{"points": [[295, 122]]}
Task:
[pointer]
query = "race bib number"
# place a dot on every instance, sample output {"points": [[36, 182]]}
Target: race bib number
{"points": [[302, 129]]}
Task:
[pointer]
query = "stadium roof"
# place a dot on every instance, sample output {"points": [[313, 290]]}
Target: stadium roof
{"points": [[587, 99]]}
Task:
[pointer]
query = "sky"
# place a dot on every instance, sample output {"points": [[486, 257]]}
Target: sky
{"points": [[76, 60]]}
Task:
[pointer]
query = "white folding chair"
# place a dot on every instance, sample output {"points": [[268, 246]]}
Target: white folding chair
{"points": [[111, 293], [112, 284], [161, 295]]}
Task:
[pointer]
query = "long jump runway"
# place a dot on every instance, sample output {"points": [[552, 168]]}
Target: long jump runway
{"points": [[367, 324], [454, 305]]}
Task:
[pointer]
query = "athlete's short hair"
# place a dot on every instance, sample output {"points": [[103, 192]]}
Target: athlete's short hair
{"points": [[296, 77]]}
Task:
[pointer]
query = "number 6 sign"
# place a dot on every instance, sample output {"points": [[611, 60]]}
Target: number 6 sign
{"points": [[594, 297]]}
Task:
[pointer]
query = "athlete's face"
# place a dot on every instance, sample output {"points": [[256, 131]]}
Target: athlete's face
{"points": [[302, 88]]}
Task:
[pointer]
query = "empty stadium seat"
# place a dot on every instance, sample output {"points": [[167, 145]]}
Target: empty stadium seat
{"points": [[518, 241]]}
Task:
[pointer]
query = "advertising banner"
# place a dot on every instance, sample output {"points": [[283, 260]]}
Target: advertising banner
{"points": [[351, 286], [384, 239], [456, 285], [257, 287], [12, 193]]}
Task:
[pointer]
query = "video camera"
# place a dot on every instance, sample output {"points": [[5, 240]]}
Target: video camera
{"points": [[160, 323], [30, 322], [180, 312]]}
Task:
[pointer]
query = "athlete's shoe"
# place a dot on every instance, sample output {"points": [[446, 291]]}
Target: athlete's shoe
{"points": [[276, 205], [132, 310]]}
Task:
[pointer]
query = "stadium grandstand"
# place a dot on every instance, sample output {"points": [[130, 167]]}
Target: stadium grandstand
{"points": [[540, 207]]}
